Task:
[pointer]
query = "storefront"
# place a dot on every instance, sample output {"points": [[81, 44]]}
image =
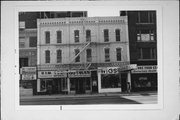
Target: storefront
{"points": [[53, 81], [110, 79], [64, 82], [80, 81], [144, 78]]}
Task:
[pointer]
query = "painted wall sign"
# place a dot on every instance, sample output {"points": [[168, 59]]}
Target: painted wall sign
{"points": [[146, 69]]}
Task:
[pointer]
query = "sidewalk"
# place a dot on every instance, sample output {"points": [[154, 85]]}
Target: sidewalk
{"points": [[54, 96]]}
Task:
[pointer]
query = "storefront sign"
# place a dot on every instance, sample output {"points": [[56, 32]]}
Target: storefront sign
{"points": [[127, 67], [146, 69], [28, 77], [108, 70], [116, 70], [28, 70], [79, 73], [51, 74], [28, 73]]}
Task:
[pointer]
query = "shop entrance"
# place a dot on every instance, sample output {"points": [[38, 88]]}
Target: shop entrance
{"points": [[124, 82], [80, 86]]}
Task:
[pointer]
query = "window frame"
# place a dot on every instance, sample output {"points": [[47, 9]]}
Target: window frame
{"points": [[59, 39], [77, 59], [88, 37], [106, 36], [118, 37], [107, 56], [76, 36], [47, 56], [88, 57], [59, 58], [117, 56], [47, 37]]}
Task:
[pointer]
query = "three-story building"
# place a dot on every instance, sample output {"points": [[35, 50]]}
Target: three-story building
{"points": [[83, 55]]}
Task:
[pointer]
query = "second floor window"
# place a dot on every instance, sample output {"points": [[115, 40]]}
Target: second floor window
{"points": [[88, 35], [47, 56], [147, 53], [32, 41], [118, 54], [47, 37], [59, 56], [107, 54], [145, 35], [59, 36], [88, 55], [76, 35], [106, 35], [77, 59], [117, 31]]}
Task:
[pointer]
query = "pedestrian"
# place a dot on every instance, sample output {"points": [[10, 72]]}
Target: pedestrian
{"points": [[128, 87]]}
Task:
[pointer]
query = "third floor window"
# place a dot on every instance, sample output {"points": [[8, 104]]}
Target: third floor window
{"points": [[117, 31], [47, 37], [106, 35], [76, 35], [59, 36], [88, 35]]}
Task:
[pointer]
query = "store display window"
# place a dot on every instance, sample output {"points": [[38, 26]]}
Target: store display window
{"points": [[110, 81]]}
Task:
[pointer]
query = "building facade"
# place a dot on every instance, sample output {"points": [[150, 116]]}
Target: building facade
{"points": [[83, 55], [143, 49]]}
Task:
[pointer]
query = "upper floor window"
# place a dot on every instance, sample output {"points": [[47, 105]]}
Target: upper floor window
{"points": [[32, 41], [117, 31], [59, 36], [106, 35], [47, 37], [145, 35], [107, 54], [47, 56], [147, 53], [88, 55], [88, 35], [76, 35], [118, 54], [77, 59], [146, 16], [59, 56]]}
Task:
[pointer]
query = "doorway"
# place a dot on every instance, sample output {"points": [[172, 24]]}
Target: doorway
{"points": [[124, 82], [80, 86]]}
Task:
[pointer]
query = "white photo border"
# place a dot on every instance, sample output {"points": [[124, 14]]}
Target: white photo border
{"points": [[85, 6]]}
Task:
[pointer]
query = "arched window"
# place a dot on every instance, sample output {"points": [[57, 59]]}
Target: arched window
{"points": [[47, 56], [88, 35], [59, 56], [59, 36], [118, 35]]}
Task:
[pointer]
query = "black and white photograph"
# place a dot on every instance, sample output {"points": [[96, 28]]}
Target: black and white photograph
{"points": [[68, 57], [90, 60]]}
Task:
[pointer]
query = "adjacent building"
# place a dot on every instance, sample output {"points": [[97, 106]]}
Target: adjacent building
{"points": [[143, 49], [83, 55]]}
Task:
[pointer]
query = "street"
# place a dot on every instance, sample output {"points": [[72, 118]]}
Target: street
{"points": [[86, 100]]}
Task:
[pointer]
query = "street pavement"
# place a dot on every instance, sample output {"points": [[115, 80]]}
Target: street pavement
{"points": [[87, 99]]}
